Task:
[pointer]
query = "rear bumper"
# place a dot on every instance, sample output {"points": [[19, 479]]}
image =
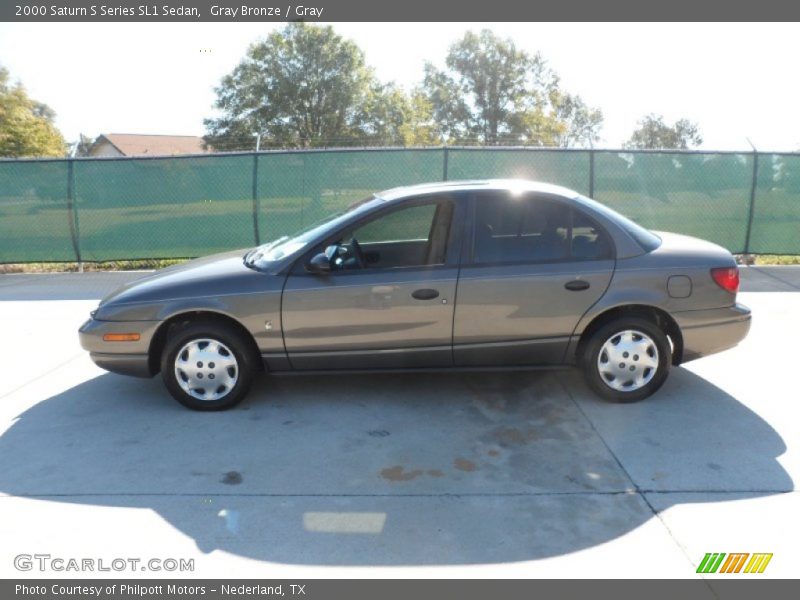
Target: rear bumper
{"points": [[126, 358], [707, 332]]}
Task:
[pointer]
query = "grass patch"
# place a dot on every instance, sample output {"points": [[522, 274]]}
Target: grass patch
{"points": [[73, 267], [773, 259]]}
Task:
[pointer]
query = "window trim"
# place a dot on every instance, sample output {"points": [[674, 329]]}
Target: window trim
{"points": [[533, 196]]}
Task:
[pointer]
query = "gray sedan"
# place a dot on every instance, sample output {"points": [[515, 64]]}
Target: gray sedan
{"points": [[462, 275]]}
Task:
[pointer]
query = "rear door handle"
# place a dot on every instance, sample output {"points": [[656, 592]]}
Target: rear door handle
{"points": [[576, 285], [425, 294]]}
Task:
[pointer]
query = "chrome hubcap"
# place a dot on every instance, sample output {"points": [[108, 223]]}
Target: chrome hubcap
{"points": [[206, 369], [628, 360]]}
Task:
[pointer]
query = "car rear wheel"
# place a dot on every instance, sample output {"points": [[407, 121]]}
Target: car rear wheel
{"points": [[627, 360], [207, 366]]}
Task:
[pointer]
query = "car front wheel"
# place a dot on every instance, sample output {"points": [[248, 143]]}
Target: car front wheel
{"points": [[627, 360], [206, 366]]}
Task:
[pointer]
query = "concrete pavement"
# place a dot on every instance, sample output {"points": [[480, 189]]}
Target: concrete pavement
{"points": [[446, 475]]}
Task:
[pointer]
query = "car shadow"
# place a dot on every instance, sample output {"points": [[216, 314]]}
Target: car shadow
{"points": [[382, 469]]}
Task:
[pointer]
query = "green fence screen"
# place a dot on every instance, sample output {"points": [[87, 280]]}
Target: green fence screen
{"points": [[35, 217], [776, 210], [704, 195], [178, 207]]}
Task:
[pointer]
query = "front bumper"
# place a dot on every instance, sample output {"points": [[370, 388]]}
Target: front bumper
{"points": [[710, 331], [126, 358], [136, 365]]}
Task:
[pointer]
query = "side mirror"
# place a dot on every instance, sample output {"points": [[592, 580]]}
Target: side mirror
{"points": [[319, 264]]}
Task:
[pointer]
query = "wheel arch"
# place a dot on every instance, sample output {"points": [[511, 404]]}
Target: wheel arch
{"points": [[161, 334], [657, 316]]}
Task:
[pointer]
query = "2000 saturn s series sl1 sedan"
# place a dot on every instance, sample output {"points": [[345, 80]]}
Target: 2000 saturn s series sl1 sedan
{"points": [[471, 275]]}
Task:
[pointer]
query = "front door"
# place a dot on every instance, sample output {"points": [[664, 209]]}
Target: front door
{"points": [[387, 301], [536, 266]]}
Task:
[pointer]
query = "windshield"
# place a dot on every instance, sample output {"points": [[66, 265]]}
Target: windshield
{"points": [[648, 240], [275, 250]]}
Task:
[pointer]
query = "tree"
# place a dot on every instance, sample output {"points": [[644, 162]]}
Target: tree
{"points": [[653, 132], [491, 92], [83, 145], [391, 117], [26, 126], [307, 86], [419, 127], [581, 123]]}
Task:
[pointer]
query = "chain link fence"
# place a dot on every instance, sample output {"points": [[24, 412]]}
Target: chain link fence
{"points": [[91, 210]]}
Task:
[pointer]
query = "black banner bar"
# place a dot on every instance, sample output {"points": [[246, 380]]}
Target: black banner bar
{"points": [[408, 10], [388, 589]]}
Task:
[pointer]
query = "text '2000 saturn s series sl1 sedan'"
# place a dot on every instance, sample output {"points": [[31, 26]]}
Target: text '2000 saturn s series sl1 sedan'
{"points": [[470, 275]]}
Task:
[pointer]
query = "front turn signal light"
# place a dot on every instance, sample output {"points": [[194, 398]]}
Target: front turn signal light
{"points": [[121, 337]]}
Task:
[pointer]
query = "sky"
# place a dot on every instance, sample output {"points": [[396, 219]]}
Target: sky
{"points": [[737, 81]]}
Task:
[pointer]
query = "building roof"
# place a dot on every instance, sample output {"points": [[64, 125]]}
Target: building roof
{"points": [[134, 144]]}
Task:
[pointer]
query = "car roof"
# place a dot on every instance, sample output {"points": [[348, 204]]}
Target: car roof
{"points": [[510, 185]]}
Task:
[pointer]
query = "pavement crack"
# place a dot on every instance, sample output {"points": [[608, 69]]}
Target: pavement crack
{"points": [[379, 495], [41, 375], [317, 495], [768, 273], [639, 491]]}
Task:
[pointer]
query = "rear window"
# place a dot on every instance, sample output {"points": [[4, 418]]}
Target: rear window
{"points": [[648, 240]]}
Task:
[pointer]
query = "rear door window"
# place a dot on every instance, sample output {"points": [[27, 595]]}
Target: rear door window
{"points": [[589, 241], [511, 229]]}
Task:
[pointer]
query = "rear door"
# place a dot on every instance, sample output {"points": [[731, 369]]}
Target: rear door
{"points": [[388, 300], [535, 265]]}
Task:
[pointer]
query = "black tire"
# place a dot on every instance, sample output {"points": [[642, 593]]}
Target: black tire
{"points": [[233, 342], [603, 384]]}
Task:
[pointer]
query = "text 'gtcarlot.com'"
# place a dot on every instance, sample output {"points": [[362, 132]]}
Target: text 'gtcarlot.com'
{"points": [[46, 562]]}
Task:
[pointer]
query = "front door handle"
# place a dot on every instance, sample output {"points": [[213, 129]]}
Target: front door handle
{"points": [[576, 285], [425, 294]]}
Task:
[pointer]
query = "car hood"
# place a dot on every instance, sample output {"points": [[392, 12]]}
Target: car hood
{"points": [[215, 275]]}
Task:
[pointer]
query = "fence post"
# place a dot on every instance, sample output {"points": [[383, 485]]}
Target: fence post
{"points": [[72, 213], [591, 172], [752, 203], [446, 161], [256, 235]]}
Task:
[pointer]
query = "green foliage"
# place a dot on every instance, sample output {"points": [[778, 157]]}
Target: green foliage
{"points": [[393, 118], [84, 145], [580, 123], [653, 132], [26, 126], [306, 86], [493, 93]]}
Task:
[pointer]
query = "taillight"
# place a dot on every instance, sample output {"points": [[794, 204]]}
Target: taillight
{"points": [[727, 278]]}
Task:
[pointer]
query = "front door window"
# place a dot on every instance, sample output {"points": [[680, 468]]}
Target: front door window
{"points": [[408, 237]]}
